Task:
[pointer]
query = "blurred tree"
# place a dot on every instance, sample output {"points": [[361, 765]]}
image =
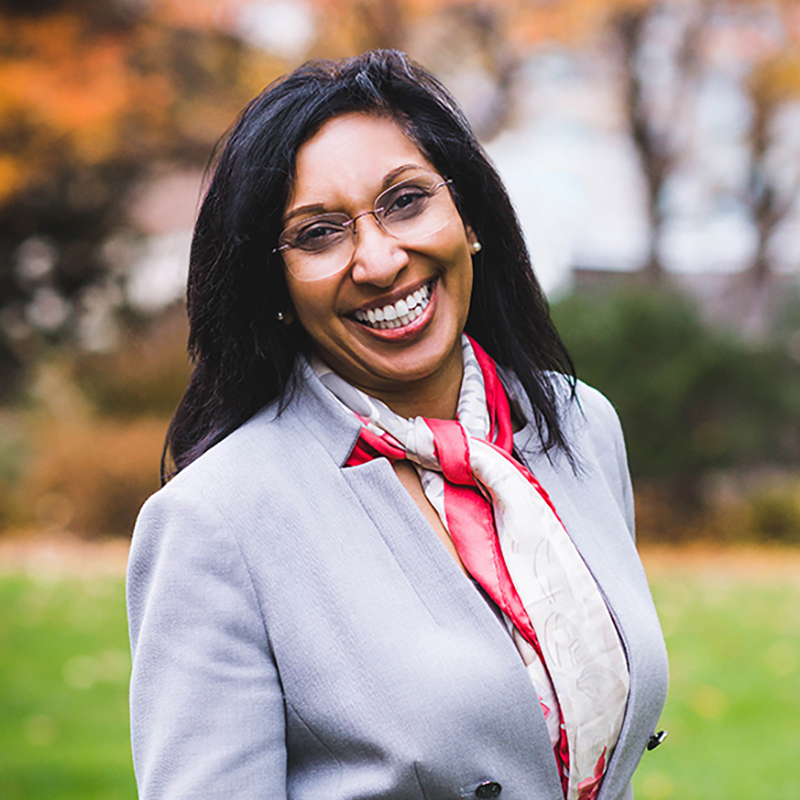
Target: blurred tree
{"points": [[653, 116], [690, 399], [92, 96], [773, 186], [669, 49], [671, 53]]}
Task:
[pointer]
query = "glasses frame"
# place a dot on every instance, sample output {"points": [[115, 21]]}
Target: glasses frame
{"points": [[349, 223]]}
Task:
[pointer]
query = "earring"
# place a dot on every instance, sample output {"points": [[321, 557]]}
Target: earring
{"points": [[477, 247], [280, 316]]}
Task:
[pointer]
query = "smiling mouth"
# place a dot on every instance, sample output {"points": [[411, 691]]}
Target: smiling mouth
{"points": [[399, 314]]}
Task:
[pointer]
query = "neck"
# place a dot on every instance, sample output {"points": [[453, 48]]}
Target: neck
{"points": [[434, 397], [430, 400]]}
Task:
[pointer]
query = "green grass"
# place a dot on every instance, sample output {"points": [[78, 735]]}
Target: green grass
{"points": [[64, 667], [733, 714]]}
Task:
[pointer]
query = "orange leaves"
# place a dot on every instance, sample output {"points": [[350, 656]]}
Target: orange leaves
{"points": [[777, 79], [64, 85], [563, 20], [200, 14], [11, 177]]}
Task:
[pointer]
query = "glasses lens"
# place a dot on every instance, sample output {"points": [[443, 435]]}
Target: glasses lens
{"points": [[415, 208], [317, 246]]}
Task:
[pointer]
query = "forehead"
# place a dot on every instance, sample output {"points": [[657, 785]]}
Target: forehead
{"points": [[349, 158]]}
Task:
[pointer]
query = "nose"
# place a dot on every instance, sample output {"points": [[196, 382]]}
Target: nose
{"points": [[378, 257]]}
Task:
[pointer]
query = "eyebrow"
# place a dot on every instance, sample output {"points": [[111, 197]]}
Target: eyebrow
{"points": [[319, 208]]}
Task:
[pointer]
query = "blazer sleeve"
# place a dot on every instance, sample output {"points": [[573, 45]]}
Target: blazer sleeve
{"points": [[207, 713]]}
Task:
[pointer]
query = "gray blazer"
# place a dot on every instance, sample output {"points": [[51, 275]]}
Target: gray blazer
{"points": [[299, 631]]}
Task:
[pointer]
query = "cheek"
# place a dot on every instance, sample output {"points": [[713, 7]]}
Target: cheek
{"points": [[464, 270], [301, 295], [313, 305]]}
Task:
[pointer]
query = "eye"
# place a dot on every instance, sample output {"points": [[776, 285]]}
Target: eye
{"points": [[404, 201], [315, 235]]}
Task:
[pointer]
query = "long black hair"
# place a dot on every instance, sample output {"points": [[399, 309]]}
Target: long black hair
{"points": [[243, 357]]}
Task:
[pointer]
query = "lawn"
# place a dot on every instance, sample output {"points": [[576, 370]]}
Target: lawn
{"points": [[733, 715], [733, 712], [64, 666]]}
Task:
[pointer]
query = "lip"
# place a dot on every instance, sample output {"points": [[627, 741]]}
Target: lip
{"points": [[408, 331]]}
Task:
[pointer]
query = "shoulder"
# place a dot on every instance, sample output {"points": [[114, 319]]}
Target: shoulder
{"points": [[195, 512], [586, 414], [280, 445], [258, 447], [591, 417], [594, 434], [261, 473], [234, 501]]}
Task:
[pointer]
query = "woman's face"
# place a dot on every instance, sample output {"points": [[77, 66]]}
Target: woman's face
{"points": [[416, 363]]}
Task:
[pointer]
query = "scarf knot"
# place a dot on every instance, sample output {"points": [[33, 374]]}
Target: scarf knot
{"points": [[452, 451]]}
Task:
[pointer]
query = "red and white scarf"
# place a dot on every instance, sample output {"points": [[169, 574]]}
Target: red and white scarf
{"points": [[511, 541]]}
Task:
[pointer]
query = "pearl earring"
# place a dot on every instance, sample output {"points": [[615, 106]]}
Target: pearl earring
{"points": [[280, 316], [477, 247]]}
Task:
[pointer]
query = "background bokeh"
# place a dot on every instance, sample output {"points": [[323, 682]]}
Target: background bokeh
{"points": [[652, 150]]}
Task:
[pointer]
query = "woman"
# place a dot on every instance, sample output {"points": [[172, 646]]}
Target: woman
{"points": [[342, 592]]}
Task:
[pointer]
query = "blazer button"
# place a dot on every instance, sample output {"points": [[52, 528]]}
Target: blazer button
{"points": [[488, 789], [656, 739]]}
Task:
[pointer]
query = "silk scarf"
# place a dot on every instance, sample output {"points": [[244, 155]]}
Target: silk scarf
{"points": [[512, 542]]}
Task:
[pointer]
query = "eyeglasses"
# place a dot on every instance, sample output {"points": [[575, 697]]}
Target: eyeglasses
{"points": [[411, 211]]}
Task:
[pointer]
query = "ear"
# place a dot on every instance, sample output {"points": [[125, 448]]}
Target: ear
{"points": [[285, 316], [472, 240]]}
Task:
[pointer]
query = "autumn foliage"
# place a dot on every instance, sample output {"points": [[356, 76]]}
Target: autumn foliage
{"points": [[98, 96]]}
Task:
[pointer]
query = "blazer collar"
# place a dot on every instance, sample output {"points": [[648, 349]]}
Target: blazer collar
{"points": [[332, 425]]}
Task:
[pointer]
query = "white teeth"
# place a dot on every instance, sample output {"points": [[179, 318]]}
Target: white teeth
{"points": [[399, 314], [396, 315]]}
